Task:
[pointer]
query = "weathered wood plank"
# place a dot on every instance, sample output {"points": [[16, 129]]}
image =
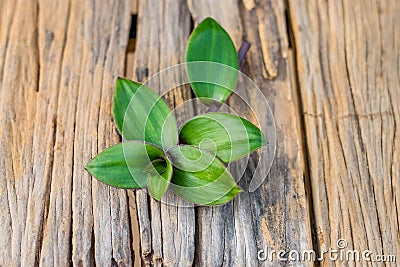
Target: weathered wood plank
{"points": [[18, 96], [227, 235], [348, 62], [59, 63], [276, 215], [167, 232]]}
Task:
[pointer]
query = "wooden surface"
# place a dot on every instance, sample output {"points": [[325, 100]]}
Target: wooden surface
{"points": [[329, 69], [348, 68]]}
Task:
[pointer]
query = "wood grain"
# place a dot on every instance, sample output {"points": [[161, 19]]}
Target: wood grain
{"points": [[166, 232], [329, 69], [348, 67], [277, 214], [59, 61]]}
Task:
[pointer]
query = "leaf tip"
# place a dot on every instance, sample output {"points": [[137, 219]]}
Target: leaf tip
{"points": [[89, 168], [90, 164], [118, 83], [120, 79], [263, 139], [236, 190], [155, 197], [209, 20]]}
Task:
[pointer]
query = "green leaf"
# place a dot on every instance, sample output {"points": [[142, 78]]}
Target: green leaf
{"points": [[123, 165], [159, 173], [208, 43], [212, 185], [232, 136], [143, 115]]}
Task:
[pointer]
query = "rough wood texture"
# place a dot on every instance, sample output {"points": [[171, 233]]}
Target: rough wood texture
{"points": [[348, 67], [166, 232], [276, 215], [59, 61], [333, 88]]}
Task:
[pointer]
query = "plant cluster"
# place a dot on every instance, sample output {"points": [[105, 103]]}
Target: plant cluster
{"points": [[190, 161]]}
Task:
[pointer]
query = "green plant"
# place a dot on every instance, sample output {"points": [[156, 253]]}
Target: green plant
{"points": [[189, 162]]}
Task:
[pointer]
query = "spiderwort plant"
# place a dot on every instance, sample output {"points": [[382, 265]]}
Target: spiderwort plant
{"points": [[190, 162]]}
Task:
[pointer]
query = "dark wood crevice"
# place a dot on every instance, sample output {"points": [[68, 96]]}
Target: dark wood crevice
{"points": [[303, 134]]}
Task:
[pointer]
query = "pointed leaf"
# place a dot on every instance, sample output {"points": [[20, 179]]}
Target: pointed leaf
{"points": [[210, 43], [233, 136], [123, 165], [143, 115], [212, 185], [159, 173]]}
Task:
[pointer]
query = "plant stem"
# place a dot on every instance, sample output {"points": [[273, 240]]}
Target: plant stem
{"points": [[215, 106], [244, 48]]}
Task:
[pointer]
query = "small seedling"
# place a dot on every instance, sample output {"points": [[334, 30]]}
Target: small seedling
{"points": [[191, 161]]}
